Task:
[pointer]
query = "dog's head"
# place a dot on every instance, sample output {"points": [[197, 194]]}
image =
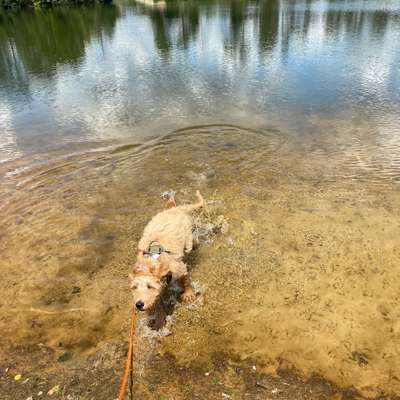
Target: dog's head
{"points": [[147, 281]]}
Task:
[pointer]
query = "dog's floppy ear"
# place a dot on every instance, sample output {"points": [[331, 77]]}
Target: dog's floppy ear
{"points": [[131, 277], [162, 269]]}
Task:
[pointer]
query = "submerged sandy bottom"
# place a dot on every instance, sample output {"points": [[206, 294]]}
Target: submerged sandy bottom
{"points": [[305, 277]]}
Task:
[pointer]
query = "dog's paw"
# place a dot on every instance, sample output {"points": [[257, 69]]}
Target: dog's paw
{"points": [[188, 296]]}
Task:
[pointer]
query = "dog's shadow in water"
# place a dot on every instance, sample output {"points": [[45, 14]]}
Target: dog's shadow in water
{"points": [[169, 298]]}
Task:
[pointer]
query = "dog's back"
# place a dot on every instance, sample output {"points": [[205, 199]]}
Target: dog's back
{"points": [[172, 229]]}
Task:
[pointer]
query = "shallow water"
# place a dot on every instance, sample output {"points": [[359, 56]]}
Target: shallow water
{"points": [[285, 114]]}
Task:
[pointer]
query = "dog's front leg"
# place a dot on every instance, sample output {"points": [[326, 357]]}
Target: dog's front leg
{"points": [[188, 294], [189, 243]]}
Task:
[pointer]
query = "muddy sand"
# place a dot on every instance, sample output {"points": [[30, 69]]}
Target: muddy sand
{"points": [[298, 291]]}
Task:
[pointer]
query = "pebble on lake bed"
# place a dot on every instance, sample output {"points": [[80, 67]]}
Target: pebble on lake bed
{"points": [[53, 390]]}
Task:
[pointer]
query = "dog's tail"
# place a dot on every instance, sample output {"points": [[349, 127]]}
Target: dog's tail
{"points": [[201, 203], [195, 206]]}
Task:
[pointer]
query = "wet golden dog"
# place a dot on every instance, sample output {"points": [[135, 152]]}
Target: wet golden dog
{"points": [[165, 241]]}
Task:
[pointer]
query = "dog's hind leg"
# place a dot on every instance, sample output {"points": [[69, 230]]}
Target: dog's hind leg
{"points": [[170, 197], [171, 203]]}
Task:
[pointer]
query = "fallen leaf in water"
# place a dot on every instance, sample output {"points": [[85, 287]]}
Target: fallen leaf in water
{"points": [[53, 390]]}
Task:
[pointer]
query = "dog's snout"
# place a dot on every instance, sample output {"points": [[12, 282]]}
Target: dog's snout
{"points": [[139, 305]]}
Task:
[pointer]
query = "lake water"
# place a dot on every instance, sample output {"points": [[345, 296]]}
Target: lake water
{"points": [[135, 70], [285, 114]]}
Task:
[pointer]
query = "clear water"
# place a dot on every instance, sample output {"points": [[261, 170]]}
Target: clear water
{"points": [[286, 115]]}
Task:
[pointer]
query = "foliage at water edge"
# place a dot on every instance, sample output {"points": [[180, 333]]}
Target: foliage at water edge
{"points": [[15, 4]]}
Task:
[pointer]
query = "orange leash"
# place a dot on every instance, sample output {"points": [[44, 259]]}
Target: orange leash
{"points": [[128, 364]]}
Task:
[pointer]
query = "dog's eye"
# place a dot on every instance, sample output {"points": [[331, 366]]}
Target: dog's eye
{"points": [[134, 286], [150, 287]]}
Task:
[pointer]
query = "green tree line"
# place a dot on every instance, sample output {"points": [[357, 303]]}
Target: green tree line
{"points": [[15, 4]]}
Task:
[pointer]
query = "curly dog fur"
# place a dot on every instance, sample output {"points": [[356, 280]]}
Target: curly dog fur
{"points": [[170, 230]]}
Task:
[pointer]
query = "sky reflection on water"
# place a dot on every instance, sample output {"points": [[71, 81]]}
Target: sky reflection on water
{"points": [[138, 68]]}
